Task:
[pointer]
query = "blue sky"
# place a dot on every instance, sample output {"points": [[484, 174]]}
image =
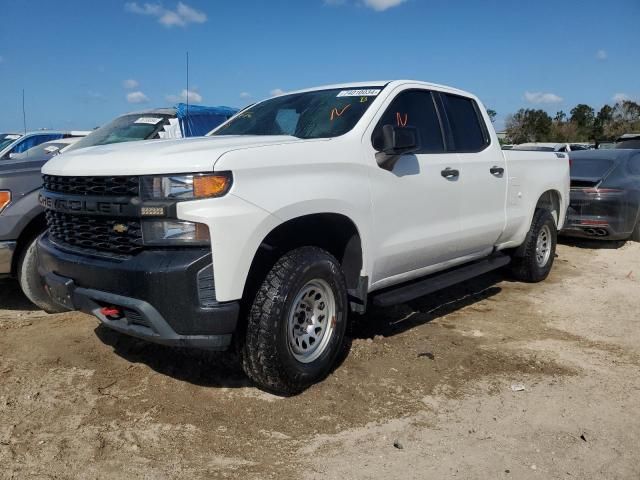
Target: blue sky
{"points": [[81, 63]]}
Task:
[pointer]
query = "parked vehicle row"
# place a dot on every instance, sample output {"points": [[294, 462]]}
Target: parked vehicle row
{"points": [[292, 216]]}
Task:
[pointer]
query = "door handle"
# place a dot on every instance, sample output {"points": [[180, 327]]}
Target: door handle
{"points": [[497, 171], [450, 173]]}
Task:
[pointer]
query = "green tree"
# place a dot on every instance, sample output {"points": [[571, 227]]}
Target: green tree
{"points": [[492, 114], [529, 126], [583, 117], [560, 117]]}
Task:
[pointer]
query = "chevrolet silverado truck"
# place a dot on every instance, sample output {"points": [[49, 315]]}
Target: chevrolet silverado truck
{"points": [[301, 210]]}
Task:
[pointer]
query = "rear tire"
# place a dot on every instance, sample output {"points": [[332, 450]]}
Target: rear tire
{"points": [[532, 262], [31, 282], [297, 324]]}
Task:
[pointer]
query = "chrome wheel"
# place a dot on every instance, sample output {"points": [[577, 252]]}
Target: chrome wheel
{"points": [[543, 246], [311, 321]]}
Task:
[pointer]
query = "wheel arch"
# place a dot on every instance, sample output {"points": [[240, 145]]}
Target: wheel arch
{"points": [[35, 227], [551, 200], [334, 232]]}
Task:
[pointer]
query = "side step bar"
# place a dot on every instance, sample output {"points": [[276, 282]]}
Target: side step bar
{"points": [[438, 281]]}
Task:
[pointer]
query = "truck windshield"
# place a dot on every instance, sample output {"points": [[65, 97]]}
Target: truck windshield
{"points": [[5, 142], [316, 114], [127, 128]]}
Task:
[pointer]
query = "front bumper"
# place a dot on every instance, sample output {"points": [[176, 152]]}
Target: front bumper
{"points": [[6, 257], [158, 294]]}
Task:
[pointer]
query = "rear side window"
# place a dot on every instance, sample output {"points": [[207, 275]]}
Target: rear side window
{"points": [[413, 108], [468, 132]]}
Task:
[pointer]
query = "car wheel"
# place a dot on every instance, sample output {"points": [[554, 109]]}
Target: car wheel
{"points": [[532, 262], [297, 324], [31, 282]]}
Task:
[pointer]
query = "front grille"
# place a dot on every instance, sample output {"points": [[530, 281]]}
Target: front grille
{"points": [[99, 186], [95, 233]]}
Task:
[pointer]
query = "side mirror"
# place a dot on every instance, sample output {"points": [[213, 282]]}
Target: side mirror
{"points": [[13, 156], [397, 141]]}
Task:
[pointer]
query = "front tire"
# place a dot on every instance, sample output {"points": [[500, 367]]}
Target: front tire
{"points": [[532, 262], [297, 324], [31, 282]]}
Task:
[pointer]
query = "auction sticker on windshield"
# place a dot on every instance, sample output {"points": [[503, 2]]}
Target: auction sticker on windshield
{"points": [[149, 120], [359, 93]]}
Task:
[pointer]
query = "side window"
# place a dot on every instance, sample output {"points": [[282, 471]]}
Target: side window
{"points": [[413, 108], [34, 141], [468, 132]]}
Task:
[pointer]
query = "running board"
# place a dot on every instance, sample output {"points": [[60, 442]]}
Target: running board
{"points": [[438, 281]]}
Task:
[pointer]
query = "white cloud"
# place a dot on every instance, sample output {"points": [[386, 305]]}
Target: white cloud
{"points": [[137, 97], [191, 95], [130, 84], [540, 97], [621, 97], [601, 54], [276, 91], [182, 16], [381, 5], [377, 5], [245, 95]]}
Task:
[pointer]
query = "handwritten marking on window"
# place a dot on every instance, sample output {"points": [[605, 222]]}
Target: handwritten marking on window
{"points": [[335, 113], [402, 122]]}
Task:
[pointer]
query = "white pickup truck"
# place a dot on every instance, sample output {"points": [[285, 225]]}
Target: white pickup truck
{"points": [[297, 212]]}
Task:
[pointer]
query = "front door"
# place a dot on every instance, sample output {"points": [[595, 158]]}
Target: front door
{"points": [[416, 205]]}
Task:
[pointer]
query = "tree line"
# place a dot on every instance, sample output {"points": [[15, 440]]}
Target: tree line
{"points": [[582, 124]]}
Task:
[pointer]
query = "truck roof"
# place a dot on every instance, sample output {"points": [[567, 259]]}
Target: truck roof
{"points": [[381, 84]]}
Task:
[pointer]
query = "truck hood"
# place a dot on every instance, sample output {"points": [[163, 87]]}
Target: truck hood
{"points": [[155, 156]]}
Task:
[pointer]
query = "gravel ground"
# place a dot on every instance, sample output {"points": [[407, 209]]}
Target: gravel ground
{"points": [[491, 379]]}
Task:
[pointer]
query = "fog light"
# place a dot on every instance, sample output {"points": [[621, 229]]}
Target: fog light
{"points": [[174, 232]]}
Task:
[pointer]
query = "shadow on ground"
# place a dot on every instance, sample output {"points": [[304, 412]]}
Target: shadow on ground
{"points": [[199, 367], [223, 369], [394, 320], [591, 244], [12, 298]]}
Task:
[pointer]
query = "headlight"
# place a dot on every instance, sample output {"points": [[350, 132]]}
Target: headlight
{"points": [[5, 199], [174, 232], [186, 187]]}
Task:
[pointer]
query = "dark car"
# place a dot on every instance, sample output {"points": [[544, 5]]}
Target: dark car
{"points": [[605, 195]]}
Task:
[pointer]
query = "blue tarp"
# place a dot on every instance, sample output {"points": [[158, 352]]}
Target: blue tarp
{"points": [[201, 120]]}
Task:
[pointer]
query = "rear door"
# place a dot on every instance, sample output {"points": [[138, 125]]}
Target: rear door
{"points": [[415, 207], [483, 175]]}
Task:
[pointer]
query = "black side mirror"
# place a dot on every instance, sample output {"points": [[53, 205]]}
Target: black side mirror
{"points": [[397, 141]]}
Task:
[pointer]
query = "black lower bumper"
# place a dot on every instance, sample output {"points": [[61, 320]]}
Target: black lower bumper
{"points": [[154, 295]]}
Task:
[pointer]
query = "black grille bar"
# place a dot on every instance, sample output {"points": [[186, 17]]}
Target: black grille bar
{"points": [[99, 186]]}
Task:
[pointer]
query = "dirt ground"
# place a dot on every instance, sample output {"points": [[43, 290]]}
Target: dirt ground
{"points": [[435, 377]]}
